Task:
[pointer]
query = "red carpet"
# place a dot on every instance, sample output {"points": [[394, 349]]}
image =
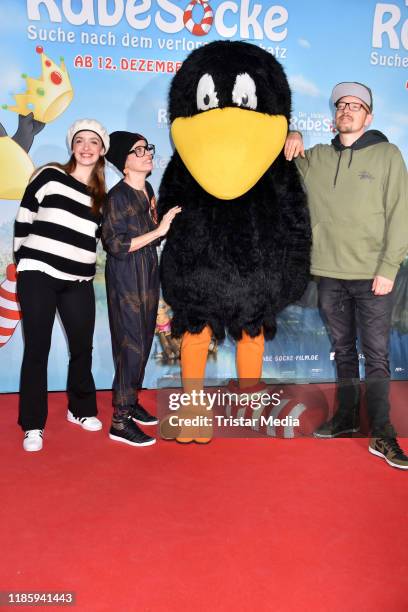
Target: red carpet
{"points": [[247, 525]]}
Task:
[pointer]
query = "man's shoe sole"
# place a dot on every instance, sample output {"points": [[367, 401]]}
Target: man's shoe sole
{"points": [[119, 439], [335, 435], [155, 422], [378, 454]]}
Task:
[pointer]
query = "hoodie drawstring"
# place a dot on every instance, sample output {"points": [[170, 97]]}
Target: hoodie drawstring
{"points": [[338, 163], [369, 138], [337, 169]]}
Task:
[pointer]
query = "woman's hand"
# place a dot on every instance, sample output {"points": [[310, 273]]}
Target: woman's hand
{"points": [[165, 223], [161, 230]]}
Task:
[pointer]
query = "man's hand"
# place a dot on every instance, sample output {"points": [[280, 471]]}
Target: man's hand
{"points": [[294, 146], [382, 285]]}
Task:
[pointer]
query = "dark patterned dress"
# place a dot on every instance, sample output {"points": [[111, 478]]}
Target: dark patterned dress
{"points": [[132, 285]]}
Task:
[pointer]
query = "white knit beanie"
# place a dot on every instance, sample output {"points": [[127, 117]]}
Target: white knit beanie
{"points": [[88, 124]]}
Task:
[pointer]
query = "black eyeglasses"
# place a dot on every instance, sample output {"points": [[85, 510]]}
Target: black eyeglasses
{"points": [[141, 151], [353, 106]]}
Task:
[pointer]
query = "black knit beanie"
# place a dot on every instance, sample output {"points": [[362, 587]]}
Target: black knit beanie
{"points": [[120, 145]]}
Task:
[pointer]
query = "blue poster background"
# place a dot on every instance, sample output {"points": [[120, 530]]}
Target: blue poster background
{"points": [[121, 55]]}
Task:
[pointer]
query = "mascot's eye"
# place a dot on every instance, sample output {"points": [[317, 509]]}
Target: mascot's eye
{"points": [[244, 92], [206, 94]]}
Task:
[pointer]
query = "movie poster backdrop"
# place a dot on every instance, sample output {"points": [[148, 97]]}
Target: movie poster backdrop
{"points": [[113, 60]]}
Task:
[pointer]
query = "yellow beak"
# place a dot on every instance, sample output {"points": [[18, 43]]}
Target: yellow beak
{"points": [[227, 150]]}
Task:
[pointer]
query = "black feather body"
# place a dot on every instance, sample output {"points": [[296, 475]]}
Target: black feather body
{"points": [[234, 264]]}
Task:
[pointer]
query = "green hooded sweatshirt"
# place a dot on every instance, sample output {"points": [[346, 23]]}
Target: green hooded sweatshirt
{"points": [[358, 200]]}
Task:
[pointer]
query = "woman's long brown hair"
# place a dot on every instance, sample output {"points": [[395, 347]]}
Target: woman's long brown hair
{"points": [[96, 185]]}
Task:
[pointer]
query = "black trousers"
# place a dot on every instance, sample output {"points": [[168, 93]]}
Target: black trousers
{"points": [[40, 296], [350, 307], [132, 324]]}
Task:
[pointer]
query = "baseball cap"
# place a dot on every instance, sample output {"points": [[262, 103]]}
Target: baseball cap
{"points": [[353, 89]]}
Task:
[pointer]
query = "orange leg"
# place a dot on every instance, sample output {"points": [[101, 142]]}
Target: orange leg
{"points": [[249, 359], [194, 353]]}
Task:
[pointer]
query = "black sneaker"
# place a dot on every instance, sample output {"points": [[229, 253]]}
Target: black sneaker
{"points": [[390, 450], [140, 415], [338, 425], [129, 433]]}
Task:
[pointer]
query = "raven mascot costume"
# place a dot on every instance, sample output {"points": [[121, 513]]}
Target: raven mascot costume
{"points": [[239, 251]]}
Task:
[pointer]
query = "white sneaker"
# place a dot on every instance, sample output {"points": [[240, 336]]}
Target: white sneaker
{"points": [[88, 423], [33, 440]]}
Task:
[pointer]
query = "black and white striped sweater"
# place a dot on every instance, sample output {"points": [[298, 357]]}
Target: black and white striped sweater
{"points": [[55, 229]]}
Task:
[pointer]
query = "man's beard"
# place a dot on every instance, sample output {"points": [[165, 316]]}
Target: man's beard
{"points": [[344, 129]]}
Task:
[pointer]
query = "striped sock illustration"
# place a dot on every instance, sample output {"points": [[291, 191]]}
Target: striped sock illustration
{"points": [[10, 313]]}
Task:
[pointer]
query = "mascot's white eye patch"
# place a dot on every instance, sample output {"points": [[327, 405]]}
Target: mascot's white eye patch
{"points": [[206, 94], [244, 92]]}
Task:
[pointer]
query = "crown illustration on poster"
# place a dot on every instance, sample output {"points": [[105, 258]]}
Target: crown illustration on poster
{"points": [[48, 96]]}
